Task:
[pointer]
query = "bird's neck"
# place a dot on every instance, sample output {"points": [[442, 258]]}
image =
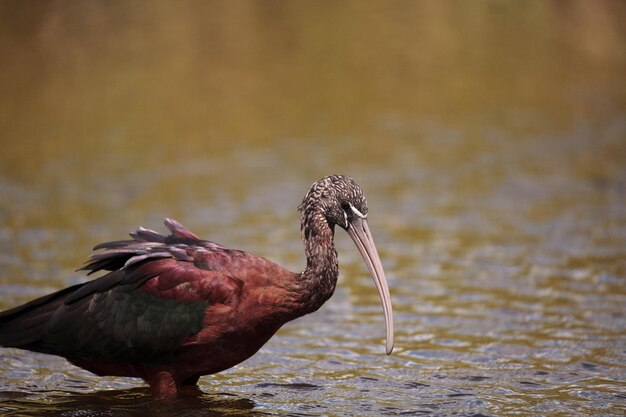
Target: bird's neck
{"points": [[319, 278]]}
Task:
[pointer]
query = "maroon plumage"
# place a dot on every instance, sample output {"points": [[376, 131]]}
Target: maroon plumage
{"points": [[173, 308]]}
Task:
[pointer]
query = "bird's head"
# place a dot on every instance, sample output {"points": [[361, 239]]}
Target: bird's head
{"points": [[339, 200], [336, 199]]}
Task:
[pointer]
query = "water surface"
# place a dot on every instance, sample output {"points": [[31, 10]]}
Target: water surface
{"points": [[490, 140]]}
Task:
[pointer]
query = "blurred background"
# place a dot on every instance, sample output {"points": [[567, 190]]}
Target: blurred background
{"points": [[489, 137]]}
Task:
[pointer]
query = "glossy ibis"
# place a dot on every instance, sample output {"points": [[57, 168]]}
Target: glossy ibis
{"points": [[173, 308]]}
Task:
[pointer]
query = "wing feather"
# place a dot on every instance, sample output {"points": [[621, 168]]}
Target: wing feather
{"points": [[154, 297], [123, 316]]}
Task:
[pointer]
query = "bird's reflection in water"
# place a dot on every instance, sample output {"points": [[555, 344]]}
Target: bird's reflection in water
{"points": [[125, 403]]}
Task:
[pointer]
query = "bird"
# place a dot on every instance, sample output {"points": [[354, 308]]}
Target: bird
{"points": [[172, 308]]}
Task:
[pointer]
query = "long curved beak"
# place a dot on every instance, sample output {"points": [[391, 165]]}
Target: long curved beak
{"points": [[360, 233]]}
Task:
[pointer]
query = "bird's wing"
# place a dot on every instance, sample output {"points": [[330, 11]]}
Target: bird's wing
{"points": [[140, 311], [145, 316]]}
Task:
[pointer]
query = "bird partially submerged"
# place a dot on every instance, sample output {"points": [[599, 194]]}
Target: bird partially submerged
{"points": [[173, 308]]}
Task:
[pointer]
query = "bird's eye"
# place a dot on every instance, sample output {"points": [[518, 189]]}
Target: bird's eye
{"points": [[345, 206]]}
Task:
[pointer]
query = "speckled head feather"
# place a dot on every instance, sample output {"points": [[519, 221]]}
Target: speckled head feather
{"points": [[335, 199]]}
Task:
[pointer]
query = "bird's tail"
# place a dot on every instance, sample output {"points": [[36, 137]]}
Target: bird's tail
{"points": [[24, 326]]}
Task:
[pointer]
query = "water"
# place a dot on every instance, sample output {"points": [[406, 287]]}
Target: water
{"points": [[490, 142]]}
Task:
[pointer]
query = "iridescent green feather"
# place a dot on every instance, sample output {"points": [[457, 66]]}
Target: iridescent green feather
{"points": [[122, 325]]}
